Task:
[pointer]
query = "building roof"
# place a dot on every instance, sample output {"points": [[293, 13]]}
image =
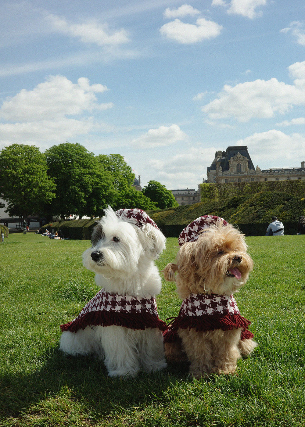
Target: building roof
{"points": [[224, 156]]}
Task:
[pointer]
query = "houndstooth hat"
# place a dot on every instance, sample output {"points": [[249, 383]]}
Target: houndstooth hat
{"points": [[136, 217], [191, 232]]}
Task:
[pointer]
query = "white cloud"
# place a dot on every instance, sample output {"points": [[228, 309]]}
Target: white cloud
{"points": [[199, 96], [191, 33], [57, 97], [260, 98], [298, 121], [45, 132], [246, 8], [41, 115], [269, 147], [184, 10], [89, 32], [297, 29], [297, 71], [160, 137], [219, 3], [183, 168]]}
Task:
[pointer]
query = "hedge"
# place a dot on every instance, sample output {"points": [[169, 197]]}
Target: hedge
{"points": [[74, 229], [255, 229]]}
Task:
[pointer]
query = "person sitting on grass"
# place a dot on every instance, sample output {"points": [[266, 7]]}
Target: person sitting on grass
{"points": [[275, 228]]}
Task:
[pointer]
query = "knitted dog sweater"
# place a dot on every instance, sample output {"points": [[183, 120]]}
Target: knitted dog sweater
{"points": [[207, 313], [106, 309]]}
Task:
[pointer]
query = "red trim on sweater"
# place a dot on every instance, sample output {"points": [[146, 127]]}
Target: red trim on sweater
{"points": [[208, 313], [107, 309]]}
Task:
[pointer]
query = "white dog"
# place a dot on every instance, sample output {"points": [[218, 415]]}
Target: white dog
{"points": [[121, 324]]}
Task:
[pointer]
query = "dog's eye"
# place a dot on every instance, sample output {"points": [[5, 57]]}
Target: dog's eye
{"points": [[115, 239], [220, 252]]}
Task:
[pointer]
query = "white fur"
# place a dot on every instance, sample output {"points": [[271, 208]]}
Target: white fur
{"points": [[127, 268]]}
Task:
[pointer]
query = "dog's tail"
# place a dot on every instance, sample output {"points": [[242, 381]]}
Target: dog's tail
{"points": [[169, 272]]}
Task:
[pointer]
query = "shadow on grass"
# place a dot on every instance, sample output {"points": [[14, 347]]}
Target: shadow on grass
{"points": [[85, 379]]}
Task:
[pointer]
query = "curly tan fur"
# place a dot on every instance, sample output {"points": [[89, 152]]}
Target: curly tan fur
{"points": [[205, 266]]}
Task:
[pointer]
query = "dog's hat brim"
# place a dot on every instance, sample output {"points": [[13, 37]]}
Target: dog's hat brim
{"points": [[192, 231], [136, 217]]}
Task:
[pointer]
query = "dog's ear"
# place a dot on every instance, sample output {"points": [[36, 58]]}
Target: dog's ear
{"points": [[97, 234], [169, 272], [152, 239]]}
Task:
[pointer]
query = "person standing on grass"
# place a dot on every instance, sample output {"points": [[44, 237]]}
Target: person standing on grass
{"points": [[275, 228], [2, 236]]}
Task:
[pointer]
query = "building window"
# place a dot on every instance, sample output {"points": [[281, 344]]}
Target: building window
{"points": [[238, 168]]}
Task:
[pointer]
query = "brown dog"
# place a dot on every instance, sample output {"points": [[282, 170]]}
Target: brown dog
{"points": [[212, 264]]}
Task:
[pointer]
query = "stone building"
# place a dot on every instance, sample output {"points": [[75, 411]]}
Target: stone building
{"points": [[187, 196], [235, 165]]}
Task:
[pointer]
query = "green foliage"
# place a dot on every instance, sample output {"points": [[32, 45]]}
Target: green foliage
{"points": [[159, 194], [241, 205], [208, 192], [121, 174], [131, 198], [247, 189], [24, 182], [263, 205], [83, 184], [83, 187], [44, 284], [74, 229]]}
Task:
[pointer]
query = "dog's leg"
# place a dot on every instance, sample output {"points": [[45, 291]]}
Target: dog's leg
{"points": [[150, 345], [121, 353], [174, 352], [198, 350], [226, 351], [82, 342]]}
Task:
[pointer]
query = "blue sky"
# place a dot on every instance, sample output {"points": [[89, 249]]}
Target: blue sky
{"points": [[165, 83]]}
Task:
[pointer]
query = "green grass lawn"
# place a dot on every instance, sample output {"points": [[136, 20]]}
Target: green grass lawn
{"points": [[43, 284]]}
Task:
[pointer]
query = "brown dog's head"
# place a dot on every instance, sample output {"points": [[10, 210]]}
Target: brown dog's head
{"points": [[216, 263]]}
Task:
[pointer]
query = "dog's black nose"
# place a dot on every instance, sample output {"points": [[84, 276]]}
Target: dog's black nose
{"points": [[96, 255], [237, 258]]}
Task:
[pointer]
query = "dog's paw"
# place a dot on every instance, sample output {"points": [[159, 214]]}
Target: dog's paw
{"points": [[155, 366], [123, 373], [246, 347], [169, 272]]}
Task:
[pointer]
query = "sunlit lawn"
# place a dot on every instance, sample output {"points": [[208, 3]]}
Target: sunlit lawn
{"points": [[43, 284]]}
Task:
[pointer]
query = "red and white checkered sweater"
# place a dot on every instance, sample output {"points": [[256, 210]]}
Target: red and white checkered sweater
{"points": [[107, 309], [207, 313]]}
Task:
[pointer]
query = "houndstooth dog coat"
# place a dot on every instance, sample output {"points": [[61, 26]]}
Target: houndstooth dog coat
{"points": [[107, 309]]}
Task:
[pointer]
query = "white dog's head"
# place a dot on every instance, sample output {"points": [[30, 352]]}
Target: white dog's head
{"points": [[122, 241]]}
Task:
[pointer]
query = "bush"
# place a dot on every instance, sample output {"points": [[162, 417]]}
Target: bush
{"points": [[76, 229]]}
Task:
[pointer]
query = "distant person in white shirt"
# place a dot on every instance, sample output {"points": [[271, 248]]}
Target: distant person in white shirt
{"points": [[275, 228]]}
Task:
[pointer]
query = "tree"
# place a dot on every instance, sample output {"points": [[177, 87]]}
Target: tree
{"points": [[83, 186], [24, 182], [121, 173], [131, 198], [159, 194]]}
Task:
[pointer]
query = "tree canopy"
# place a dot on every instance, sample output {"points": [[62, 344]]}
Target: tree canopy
{"points": [[83, 187], [159, 194], [68, 179], [24, 182]]}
